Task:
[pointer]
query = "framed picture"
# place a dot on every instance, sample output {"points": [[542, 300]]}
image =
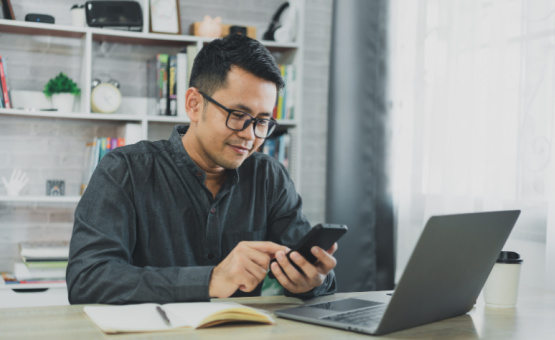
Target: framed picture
{"points": [[7, 10], [164, 16]]}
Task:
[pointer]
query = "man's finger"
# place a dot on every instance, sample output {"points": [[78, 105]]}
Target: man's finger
{"points": [[333, 249], [326, 260], [281, 277], [267, 247]]}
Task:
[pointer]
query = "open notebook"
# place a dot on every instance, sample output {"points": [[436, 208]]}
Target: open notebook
{"points": [[146, 318]]}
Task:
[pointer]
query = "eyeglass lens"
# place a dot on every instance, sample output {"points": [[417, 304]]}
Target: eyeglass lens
{"points": [[239, 121]]}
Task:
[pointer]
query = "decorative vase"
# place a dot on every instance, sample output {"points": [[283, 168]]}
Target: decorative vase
{"points": [[63, 102]]}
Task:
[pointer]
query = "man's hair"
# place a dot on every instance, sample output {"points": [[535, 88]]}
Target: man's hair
{"points": [[215, 60]]}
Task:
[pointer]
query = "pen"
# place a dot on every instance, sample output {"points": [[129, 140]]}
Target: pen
{"points": [[163, 315]]}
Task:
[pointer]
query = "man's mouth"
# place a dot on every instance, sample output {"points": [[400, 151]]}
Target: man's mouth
{"points": [[240, 149]]}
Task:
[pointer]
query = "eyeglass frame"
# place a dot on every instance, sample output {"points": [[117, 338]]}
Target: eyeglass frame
{"points": [[252, 120]]}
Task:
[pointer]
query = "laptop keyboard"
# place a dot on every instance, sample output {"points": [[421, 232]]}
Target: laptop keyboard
{"points": [[363, 317]]}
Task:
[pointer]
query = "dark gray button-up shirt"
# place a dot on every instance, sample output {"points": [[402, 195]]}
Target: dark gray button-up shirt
{"points": [[147, 229]]}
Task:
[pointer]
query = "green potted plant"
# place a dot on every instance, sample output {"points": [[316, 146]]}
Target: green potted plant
{"points": [[63, 91]]}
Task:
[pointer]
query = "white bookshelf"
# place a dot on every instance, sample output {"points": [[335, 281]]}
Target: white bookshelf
{"points": [[132, 117], [40, 199], [133, 110]]}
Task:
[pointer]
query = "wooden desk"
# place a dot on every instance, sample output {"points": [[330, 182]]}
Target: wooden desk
{"points": [[534, 318]]}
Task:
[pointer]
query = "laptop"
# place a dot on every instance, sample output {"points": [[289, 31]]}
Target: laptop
{"points": [[443, 278]]}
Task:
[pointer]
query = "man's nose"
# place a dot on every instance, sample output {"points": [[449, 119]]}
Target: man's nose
{"points": [[248, 133]]}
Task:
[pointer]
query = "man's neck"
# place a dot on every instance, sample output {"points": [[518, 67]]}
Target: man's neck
{"points": [[215, 175]]}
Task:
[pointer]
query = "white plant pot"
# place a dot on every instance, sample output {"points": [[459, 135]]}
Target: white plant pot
{"points": [[63, 102]]}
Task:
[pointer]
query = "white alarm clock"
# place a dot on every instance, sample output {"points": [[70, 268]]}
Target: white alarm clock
{"points": [[105, 98]]}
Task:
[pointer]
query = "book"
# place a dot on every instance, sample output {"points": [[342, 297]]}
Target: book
{"points": [[172, 86], [44, 251], [281, 96], [146, 318], [278, 146], [24, 273], [1, 97], [3, 80], [291, 75], [87, 164], [192, 52], [181, 82], [9, 278], [283, 153], [45, 263], [157, 83]]}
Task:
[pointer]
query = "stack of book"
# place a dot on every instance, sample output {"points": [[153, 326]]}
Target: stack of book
{"points": [[94, 151], [168, 80], [41, 262]]}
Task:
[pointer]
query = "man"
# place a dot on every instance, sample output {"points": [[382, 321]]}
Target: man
{"points": [[202, 214]]}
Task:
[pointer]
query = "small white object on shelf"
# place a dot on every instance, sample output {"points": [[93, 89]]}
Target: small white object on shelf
{"points": [[17, 181]]}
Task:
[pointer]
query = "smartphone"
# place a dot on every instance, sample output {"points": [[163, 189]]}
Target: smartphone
{"points": [[321, 235]]}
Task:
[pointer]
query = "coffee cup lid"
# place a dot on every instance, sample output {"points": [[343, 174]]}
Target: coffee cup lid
{"points": [[509, 257]]}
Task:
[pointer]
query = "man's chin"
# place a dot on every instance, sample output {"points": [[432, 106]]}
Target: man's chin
{"points": [[232, 164]]}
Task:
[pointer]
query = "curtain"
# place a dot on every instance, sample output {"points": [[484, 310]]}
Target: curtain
{"points": [[471, 97], [357, 180]]}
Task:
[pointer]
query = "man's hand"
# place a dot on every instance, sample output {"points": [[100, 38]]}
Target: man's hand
{"points": [[244, 268], [311, 276]]}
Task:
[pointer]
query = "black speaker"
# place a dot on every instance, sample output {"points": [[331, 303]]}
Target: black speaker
{"points": [[114, 14], [34, 17]]}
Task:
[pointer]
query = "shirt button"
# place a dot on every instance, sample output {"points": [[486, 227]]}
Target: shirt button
{"points": [[199, 173], [213, 210], [210, 256]]}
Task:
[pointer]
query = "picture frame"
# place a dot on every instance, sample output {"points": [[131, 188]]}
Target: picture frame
{"points": [[164, 17], [7, 10]]}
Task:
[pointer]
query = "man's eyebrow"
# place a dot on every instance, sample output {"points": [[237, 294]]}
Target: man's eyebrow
{"points": [[242, 107]]}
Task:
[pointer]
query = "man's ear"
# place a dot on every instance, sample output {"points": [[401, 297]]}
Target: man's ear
{"points": [[193, 104]]}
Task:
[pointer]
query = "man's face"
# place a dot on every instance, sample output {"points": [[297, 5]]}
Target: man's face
{"points": [[221, 146]]}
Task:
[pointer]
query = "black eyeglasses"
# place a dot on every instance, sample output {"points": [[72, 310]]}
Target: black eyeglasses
{"points": [[239, 120]]}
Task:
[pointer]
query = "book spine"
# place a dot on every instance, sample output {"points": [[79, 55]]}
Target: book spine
{"points": [[269, 147], [87, 166], [5, 94], [191, 55], [285, 93], [290, 89], [104, 147], [172, 85], [96, 156], [181, 83], [281, 151], [279, 114], [1, 97], [113, 143], [284, 149], [162, 72], [152, 86], [7, 75]]}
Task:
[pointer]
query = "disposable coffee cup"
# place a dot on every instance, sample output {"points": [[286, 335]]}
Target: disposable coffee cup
{"points": [[501, 288]]}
